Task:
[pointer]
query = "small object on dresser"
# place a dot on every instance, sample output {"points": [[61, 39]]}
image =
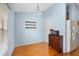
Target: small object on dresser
{"points": [[54, 32]]}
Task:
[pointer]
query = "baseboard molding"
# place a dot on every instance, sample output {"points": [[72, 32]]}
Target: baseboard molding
{"points": [[30, 43]]}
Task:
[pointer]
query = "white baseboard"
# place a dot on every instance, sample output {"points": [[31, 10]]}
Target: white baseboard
{"points": [[28, 43]]}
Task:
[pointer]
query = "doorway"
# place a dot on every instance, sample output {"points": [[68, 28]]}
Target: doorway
{"points": [[71, 41]]}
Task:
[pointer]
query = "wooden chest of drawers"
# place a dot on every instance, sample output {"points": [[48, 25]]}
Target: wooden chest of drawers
{"points": [[55, 42]]}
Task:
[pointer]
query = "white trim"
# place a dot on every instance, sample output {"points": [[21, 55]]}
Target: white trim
{"points": [[28, 43], [68, 35]]}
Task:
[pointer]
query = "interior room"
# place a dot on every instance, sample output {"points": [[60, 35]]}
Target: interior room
{"points": [[39, 29]]}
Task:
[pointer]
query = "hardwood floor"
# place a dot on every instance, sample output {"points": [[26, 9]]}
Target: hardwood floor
{"points": [[38, 49]]}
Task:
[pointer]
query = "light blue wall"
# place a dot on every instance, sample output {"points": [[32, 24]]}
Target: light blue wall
{"points": [[56, 16], [28, 36]]}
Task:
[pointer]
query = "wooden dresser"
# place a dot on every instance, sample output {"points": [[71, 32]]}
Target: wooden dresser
{"points": [[55, 41]]}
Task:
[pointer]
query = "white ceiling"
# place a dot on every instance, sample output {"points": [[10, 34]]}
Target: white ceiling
{"points": [[29, 7]]}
